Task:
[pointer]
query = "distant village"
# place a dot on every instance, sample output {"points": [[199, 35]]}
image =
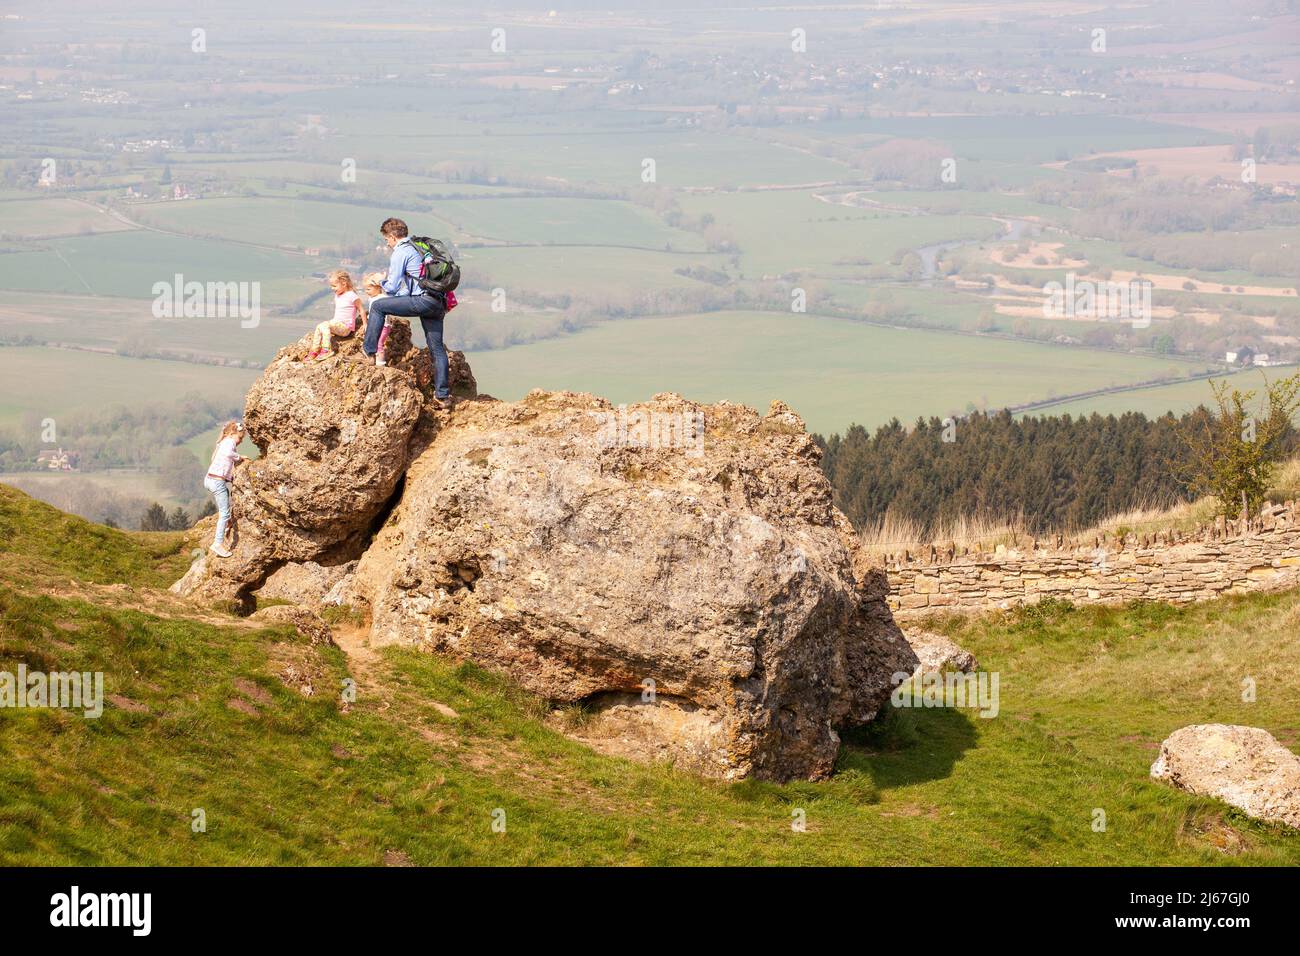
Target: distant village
{"points": [[1248, 357]]}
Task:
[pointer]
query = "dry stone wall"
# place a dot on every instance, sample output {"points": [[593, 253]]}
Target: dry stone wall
{"points": [[1235, 557]]}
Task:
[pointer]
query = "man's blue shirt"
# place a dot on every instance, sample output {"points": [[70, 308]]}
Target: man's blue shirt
{"points": [[403, 268]]}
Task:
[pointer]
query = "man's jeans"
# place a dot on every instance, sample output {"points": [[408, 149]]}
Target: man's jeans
{"points": [[221, 495], [430, 310]]}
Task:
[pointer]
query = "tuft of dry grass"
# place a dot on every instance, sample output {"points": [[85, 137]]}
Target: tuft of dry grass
{"points": [[895, 534], [1286, 483], [1187, 516]]}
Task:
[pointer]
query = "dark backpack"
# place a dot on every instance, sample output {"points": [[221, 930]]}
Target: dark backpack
{"points": [[439, 273]]}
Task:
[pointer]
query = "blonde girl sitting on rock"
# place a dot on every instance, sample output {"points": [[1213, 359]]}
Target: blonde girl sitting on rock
{"points": [[349, 315]]}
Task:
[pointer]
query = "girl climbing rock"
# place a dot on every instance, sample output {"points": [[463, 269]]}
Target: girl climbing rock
{"points": [[220, 473]]}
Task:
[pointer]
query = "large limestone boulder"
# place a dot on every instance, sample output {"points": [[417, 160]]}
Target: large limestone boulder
{"points": [[335, 438], [693, 588], [1242, 766]]}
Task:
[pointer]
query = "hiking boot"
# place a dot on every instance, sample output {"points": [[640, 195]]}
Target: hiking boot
{"points": [[380, 361], [443, 404], [220, 551]]}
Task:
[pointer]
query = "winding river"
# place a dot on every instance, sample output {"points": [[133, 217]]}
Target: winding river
{"points": [[1013, 229]]}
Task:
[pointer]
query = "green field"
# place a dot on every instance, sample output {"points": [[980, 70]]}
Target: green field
{"points": [[202, 717], [588, 222], [53, 217], [264, 174], [296, 224], [970, 202], [127, 264], [582, 271], [39, 383], [1177, 398], [1012, 138], [300, 224], [613, 158], [832, 371], [935, 306], [793, 231], [111, 323]]}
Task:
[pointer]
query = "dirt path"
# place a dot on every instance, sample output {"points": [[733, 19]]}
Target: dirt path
{"points": [[155, 602], [363, 660]]}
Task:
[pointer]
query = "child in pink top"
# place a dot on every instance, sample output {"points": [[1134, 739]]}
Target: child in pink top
{"points": [[220, 473], [349, 315], [373, 282]]}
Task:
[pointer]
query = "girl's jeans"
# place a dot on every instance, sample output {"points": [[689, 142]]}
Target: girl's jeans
{"points": [[221, 495]]}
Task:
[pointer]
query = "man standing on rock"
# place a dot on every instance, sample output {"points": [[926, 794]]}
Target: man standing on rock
{"points": [[407, 299]]}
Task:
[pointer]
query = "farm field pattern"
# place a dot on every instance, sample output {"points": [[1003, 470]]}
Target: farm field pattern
{"points": [[652, 202]]}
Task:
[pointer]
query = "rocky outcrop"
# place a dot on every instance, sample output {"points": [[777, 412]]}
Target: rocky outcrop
{"points": [[1242, 766], [335, 438], [677, 570]]}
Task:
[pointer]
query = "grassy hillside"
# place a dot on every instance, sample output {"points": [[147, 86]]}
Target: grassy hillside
{"points": [[208, 714], [40, 545]]}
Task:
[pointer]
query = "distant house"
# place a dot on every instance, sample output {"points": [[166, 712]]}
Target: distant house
{"points": [[1243, 356]]}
